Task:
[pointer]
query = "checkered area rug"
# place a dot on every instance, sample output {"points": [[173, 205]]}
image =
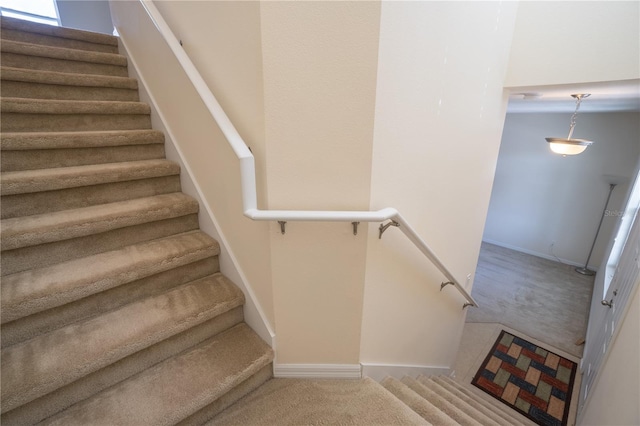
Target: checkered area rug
{"points": [[529, 379]]}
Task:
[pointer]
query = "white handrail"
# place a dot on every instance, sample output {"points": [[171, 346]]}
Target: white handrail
{"points": [[248, 170]]}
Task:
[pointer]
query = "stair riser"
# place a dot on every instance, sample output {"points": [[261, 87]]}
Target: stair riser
{"points": [[42, 255], [461, 404], [51, 201], [29, 37], [33, 159], [440, 402], [42, 229], [78, 140], [61, 284], [23, 89], [497, 407], [35, 181], [472, 402], [225, 401], [61, 65], [43, 322], [87, 347], [50, 404], [18, 122]]}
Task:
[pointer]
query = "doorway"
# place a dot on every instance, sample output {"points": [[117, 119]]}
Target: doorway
{"points": [[542, 219]]}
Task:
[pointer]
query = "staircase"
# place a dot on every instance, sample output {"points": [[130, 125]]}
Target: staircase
{"points": [[113, 309], [443, 401], [436, 400]]}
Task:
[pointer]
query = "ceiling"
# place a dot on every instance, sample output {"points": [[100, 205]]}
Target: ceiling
{"points": [[605, 97]]}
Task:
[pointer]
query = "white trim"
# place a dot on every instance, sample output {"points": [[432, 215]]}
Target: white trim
{"points": [[537, 254], [321, 371], [379, 371], [253, 312]]}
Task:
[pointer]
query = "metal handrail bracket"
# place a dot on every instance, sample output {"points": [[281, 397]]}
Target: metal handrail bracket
{"points": [[248, 171]]}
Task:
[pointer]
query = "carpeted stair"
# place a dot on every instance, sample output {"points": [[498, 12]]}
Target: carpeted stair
{"points": [[435, 400], [113, 309], [442, 401]]}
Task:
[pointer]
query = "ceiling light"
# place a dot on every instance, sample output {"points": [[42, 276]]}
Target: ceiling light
{"points": [[567, 146]]}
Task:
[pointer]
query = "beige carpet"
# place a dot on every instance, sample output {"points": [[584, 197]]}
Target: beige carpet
{"points": [[113, 307], [319, 402]]}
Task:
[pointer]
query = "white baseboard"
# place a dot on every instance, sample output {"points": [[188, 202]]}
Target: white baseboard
{"points": [[319, 371], [379, 371], [537, 254]]}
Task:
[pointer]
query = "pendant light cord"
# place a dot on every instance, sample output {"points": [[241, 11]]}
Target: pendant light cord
{"points": [[572, 125]]}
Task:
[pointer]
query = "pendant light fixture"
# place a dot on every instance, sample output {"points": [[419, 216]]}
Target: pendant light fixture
{"points": [[570, 146]]}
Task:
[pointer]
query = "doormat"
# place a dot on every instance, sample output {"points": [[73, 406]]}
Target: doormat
{"points": [[529, 379]]}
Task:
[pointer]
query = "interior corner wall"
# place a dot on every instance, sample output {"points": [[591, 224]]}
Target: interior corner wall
{"points": [[440, 109], [550, 206], [90, 15], [564, 42], [320, 64]]}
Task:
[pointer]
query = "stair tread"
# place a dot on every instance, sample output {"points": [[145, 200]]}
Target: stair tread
{"points": [[66, 79], [448, 408], [29, 181], [48, 227], [47, 362], [62, 32], [171, 391], [36, 290], [477, 404], [54, 106], [53, 52], [460, 403], [485, 399], [417, 403], [89, 139]]}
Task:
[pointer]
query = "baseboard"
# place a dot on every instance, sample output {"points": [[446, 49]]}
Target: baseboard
{"points": [[379, 371], [537, 254], [319, 371], [253, 313]]}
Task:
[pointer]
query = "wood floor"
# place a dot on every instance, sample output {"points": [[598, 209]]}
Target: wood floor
{"points": [[541, 298]]}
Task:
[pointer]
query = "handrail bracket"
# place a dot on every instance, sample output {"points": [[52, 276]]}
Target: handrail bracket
{"points": [[443, 285], [355, 227], [385, 226], [282, 224], [467, 304]]}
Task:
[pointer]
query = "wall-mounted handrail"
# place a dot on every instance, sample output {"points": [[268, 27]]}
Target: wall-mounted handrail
{"points": [[248, 170]]}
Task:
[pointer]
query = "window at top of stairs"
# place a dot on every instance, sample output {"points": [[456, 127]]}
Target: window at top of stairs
{"points": [[43, 11]]}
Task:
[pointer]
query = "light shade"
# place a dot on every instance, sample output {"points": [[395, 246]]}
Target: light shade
{"points": [[568, 146]]}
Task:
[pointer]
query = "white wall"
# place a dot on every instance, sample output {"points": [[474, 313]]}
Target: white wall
{"points": [[320, 64], [90, 15], [614, 399], [540, 198], [563, 42], [439, 113]]}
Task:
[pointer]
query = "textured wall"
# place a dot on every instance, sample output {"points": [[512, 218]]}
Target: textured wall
{"points": [[320, 62], [439, 114], [560, 42]]}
